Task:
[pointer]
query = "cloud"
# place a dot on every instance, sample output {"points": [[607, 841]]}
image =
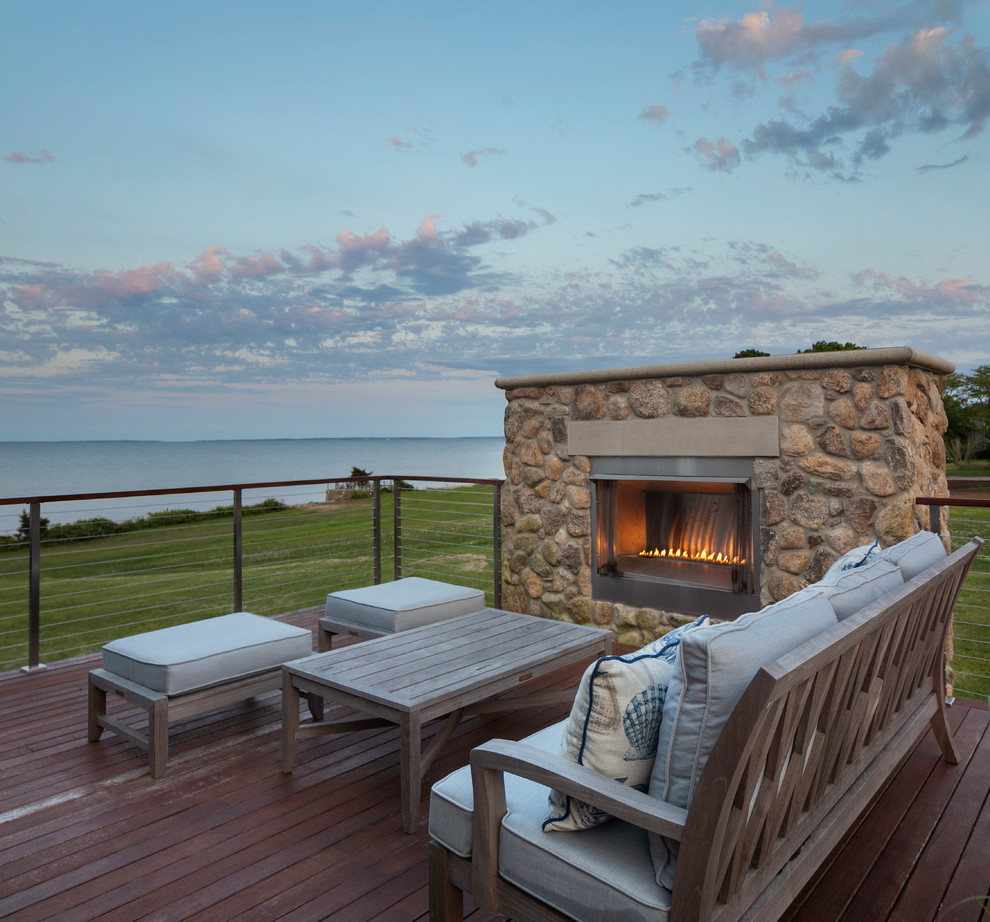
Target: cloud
{"points": [[721, 156], [471, 157], [928, 167], [777, 32], [656, 113], [921, 86], [399, 144], [18, 157]]}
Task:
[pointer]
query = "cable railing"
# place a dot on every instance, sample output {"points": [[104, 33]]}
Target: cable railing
{"points": [[65, 590], [969, 646]]}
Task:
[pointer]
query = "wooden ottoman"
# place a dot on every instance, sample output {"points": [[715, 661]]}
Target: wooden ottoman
{"points": [[397, 606], [187, 669]]}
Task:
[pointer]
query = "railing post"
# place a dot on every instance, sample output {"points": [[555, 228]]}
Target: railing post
{"points": [[497, 544], [238, 552], [34, 591], [397, 531], [376, 527], [935, 519]]}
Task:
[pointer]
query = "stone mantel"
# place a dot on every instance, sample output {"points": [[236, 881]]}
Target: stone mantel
{"points": [[892, 355]]}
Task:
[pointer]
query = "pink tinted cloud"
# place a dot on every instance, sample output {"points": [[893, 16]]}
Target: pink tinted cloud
{"points": [[207, 267], [723, 155], [18, 157], [399, 144], [258, 266], [656, 113], [960, 291], [471, 157]]}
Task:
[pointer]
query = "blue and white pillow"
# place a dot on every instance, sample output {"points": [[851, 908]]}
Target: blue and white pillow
{"points": [[615, 722], [851, 560]]}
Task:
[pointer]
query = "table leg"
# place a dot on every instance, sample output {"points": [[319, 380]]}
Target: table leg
{"points": [[290, 722], [410, 769]]}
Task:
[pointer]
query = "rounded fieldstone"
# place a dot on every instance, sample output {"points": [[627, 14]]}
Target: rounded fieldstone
{"points": [[860, 512], [837, 380], [618, 407], [553, 518], [793, 561], [531, 455], [558, 429], [550, 552], [800, 402], [793, 482], [781, 585], [579, 497], [893, 381], [579, 523], [862, 395], [768, 379], [792, 538], [831, 440], [580, 610], [518, 561], [876, 479], [553, 467], [727, 406], [823, 558], [737, 385], [570, 558], [901, 415], [763, 402], [841, 539], [713, 382], [693, 401], [529, 523], [649, 399], [588, 403], [864, 444], [774, 508], [827, 466], [895, 522], [875, 417], [810, 512], [532, 584], [843, 412], [796, 441], [515, 416]]}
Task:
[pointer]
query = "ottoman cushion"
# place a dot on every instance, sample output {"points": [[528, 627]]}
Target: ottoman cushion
{"points": [[186, 657], [402, 604]]}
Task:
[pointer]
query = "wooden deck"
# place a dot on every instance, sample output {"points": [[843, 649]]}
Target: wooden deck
{"points": [[86, 833]]}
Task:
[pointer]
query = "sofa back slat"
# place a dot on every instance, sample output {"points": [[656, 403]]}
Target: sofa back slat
{"points": [[803, 733]]}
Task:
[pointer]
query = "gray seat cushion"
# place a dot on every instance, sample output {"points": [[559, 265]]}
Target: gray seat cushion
{"points": [[595, 875], [402, 604], [187, 657]]}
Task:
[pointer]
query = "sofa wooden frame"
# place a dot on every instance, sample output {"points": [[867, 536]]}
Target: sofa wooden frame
{"points": [[816, 735]]}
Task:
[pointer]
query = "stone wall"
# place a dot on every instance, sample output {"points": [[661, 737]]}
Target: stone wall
{"points": [[860, 437]]}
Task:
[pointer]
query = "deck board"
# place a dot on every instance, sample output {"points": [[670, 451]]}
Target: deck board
{"points": [[86, 833]]}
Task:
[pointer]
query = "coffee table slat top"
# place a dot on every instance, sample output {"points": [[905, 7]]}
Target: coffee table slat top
{"points": [[427, 667]]}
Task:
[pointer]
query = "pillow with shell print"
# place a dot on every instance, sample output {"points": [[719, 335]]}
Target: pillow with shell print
{"points": [[614, 724]]}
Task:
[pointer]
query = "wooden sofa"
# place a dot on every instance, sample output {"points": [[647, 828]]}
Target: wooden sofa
{"points": [[815, 735]]}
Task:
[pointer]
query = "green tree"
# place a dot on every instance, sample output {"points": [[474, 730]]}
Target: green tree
{"points": [[749, 354], [823, 346]]}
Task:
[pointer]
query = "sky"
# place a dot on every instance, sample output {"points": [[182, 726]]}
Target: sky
{"points": [[328, 219]]}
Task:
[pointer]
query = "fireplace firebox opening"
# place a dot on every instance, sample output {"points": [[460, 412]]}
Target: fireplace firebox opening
{"points": [[684, 543]]}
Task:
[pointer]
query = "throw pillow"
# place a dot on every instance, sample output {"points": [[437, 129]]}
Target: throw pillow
{"points": [[614, 724], [856, 588], [915, 554]]}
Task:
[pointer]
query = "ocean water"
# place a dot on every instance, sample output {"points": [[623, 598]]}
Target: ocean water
{"points": [[30, 469]]}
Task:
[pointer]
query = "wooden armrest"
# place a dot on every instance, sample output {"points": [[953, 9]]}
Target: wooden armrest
{"points": [[491, 760]]}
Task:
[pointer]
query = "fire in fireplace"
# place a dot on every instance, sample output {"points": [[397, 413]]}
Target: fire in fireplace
{"points": [[685, 543]]}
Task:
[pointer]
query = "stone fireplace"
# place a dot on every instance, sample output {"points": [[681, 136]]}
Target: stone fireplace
{"points": [[637, 498]]}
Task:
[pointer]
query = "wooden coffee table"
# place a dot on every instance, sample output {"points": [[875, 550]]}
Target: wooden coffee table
{"points": [[450, 669]]}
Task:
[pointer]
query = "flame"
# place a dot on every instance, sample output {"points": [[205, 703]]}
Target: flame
{"points": [[701, 556]]}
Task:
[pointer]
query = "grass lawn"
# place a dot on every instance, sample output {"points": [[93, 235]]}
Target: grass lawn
{"points": [[97, 589], [971, 619]]}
